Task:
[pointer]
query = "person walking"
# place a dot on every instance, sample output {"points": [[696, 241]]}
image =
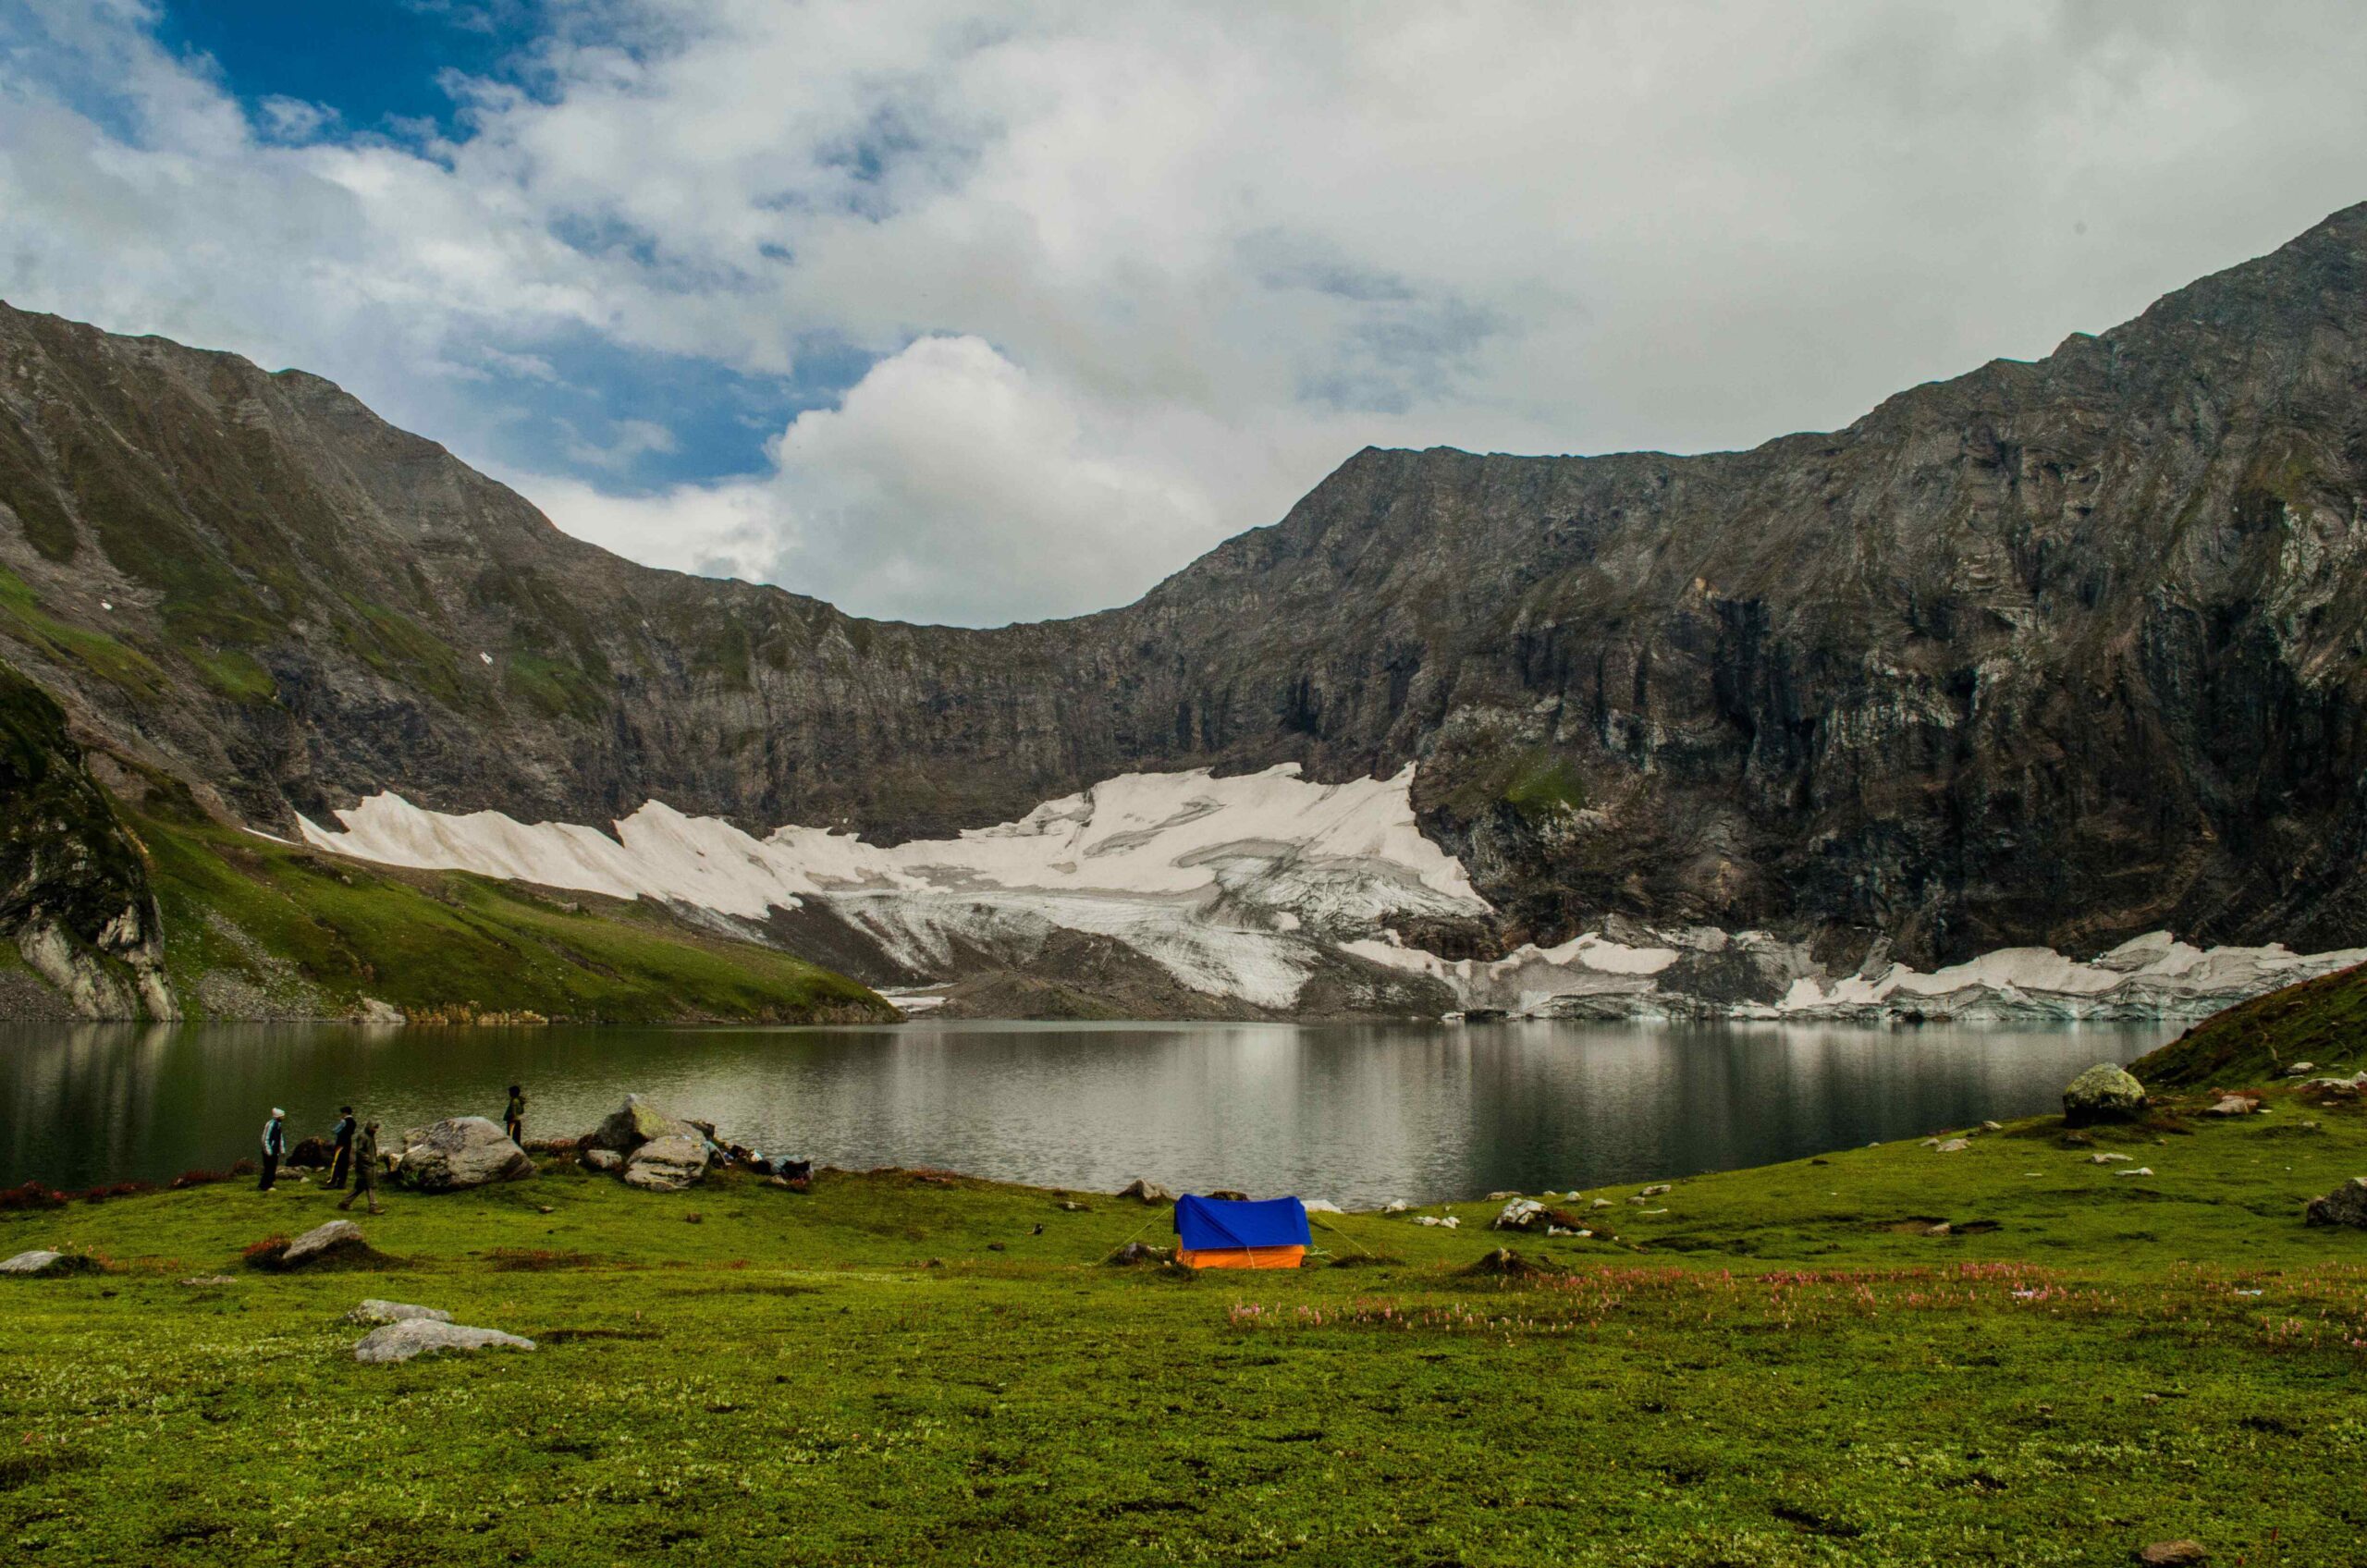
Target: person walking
{"points": [[514, 1116], [365, 1168], [275, 1148], [343, 1135]]}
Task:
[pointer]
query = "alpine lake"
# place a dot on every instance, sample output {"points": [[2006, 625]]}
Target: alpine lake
{"points": [[1355, 1114]]}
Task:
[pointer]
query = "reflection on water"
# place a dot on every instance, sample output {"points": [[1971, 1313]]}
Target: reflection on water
{"points": [[1358, 1114]]}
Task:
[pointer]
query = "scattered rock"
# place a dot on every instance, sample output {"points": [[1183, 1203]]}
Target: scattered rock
{"points": [[1942, 1228], [609, 1160], [1954, 1146], [1070, 1205], [2347, 1205], [1502, 1197], [1656, 1190], [1993, 1126], [2300, 1070], [2233, 1105], [1227, 1194], [1520, 1213], [373, 1310], [1449, 1223], [2338, 1088], [2103, 1092], [1395, 1206], [1504, 1263], [459, 1152], [1136, 1254], [207, 1281], [1318, 1206], [636, 1122], [667, 1164], [1148, 1192], [430, 1336], [1600, 1202], [2174, 1554], [2107, 1160], [319, 1242], [2141, 1170]]}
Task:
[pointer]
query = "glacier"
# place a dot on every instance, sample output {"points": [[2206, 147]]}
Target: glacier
{"points": [[1243, 888]]}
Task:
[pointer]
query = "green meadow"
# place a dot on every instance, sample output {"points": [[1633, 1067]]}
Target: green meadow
{"points": [[1785, 1366]]}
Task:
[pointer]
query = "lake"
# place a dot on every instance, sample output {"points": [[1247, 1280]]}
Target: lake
{"points": [[1356, 1113]]}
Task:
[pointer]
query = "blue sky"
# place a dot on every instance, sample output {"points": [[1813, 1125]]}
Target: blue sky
{"points": [[962, 310]]}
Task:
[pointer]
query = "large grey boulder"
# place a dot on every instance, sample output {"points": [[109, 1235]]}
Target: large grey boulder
{"points": [[428, 1336], [458, 1153], [2347, 1205], [35, 1262], [667, 1164], [636, 1122], [2103, 1092], [319, 1241], [373, 1310]]}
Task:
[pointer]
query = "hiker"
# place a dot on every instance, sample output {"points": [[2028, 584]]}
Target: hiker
{"points": [[365, 1168], [274, 1145], [343, 1135], [514, 1116]]}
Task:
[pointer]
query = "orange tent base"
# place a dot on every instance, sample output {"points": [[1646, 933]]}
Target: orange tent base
{"points": [[1242, 1257]]}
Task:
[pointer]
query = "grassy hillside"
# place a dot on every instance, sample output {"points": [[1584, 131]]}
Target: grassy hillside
{"points": [[1778, 1367], [2322, 1021], [255, 927]]}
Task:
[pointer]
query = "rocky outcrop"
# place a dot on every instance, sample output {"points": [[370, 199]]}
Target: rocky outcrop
{"points": [[2053, 652], [636, 1122], [2347, 1205], [322, 1242], [459, 1152], [74, 896]]}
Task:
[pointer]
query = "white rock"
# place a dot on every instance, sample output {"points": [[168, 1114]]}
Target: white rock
{"points": [[2107, 1160], [1317, 1205], [319, 1239], [1395, 1206], [666, 1165], [373, 1310], [1954, 1146], [428, 1336], [2141, 1170], [458, 1153], [35, 1262]]}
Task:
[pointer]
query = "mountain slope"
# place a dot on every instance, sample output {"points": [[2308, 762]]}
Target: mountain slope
{"points": [[2055, 653]]}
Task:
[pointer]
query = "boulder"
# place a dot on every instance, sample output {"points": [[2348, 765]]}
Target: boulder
{"points": [[2233, 1105], [636, 1122], [2103, 1092], [319, 1241], [1148, 1192], [667, 1164], [459, 1152], [37, 1261], [609, 1160], [2174, 1554], [1954, 1146], [430, 1336], [373, 1310], [311, 1154], [2107, 1160], [2347, 1205]]}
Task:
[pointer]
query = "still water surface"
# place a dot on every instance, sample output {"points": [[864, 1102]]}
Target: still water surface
{"points": [[1358, 1114]]}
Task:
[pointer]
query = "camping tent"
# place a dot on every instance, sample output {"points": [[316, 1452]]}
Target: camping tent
{"points": [[1231, 1234]]}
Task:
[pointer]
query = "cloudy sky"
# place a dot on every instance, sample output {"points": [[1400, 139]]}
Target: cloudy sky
{"points": [[971, 313]]}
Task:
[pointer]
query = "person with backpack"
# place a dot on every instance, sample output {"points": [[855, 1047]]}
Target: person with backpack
{"points": [[275, 1148], [514, 1116], [365, 1168], [342, 1134]]}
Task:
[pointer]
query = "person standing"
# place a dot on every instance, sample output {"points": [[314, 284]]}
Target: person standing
{"points": [[343, 1135], [274, 1147], [514, 1116], [365, 1168]]}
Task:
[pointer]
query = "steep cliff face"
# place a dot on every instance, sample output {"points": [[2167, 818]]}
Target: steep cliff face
{"points": [[2052, 652], [74, 896]]}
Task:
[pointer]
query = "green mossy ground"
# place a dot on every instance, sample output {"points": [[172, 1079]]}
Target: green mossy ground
{"points": [[1781, 1368], [290, 922], [2323, 1022]]}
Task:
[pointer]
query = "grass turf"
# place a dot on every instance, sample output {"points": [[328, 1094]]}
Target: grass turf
{"points": [[2322, 1021], [317, 933], [1774, 1366]]}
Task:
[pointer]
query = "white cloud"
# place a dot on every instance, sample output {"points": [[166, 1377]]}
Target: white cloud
{"points": [[1214, 249]]}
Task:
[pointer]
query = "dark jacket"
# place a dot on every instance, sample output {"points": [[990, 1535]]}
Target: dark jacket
{"points": [[342, 1133]]}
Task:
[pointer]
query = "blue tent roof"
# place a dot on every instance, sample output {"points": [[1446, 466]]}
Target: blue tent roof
{"points": [[1212, 1224]]}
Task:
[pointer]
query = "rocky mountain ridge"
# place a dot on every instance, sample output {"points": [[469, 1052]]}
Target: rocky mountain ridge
{"points": [[2055, 653]]}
